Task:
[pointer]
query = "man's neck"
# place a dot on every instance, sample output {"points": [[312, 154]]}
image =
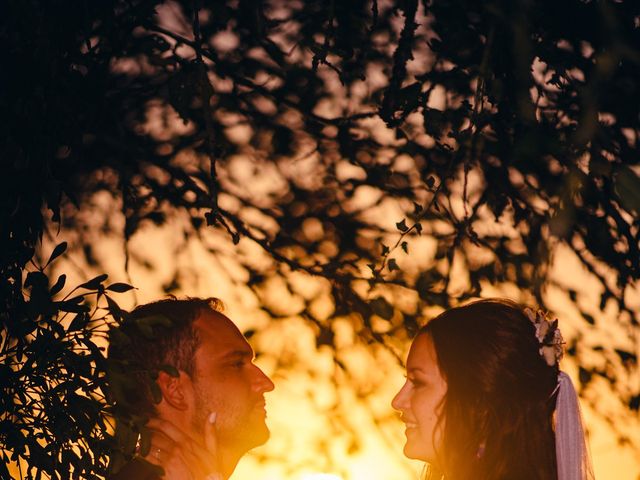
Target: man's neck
{"points": [[228, 459]]}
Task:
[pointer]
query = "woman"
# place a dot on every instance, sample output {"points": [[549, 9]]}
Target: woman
{"points": [[485, 399]]}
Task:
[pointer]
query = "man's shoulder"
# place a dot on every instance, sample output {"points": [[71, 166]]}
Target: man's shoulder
{"points": [[138, 469]]}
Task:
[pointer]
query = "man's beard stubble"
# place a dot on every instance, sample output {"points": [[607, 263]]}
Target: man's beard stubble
{"points": [[233, 427]]}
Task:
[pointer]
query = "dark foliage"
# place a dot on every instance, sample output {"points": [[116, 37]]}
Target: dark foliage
{"points": [[519, 111]]}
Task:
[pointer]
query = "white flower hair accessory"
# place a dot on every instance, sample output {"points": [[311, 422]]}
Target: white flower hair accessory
{"points": [[548, 335], [572, 452]]}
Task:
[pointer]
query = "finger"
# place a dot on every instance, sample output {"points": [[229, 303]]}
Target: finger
{"points": [[211, 435], [177, 467], [159, 453], [171, 430], [161, 440], [204, 458], [197, 460]]}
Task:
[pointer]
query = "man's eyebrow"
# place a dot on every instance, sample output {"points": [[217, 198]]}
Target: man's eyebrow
{"points": [[237, 354]]}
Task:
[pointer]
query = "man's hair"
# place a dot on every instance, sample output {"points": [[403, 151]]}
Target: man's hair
{"points": [[153, 337], [500, 393]]}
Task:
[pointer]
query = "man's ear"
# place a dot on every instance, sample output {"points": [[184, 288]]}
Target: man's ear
{"points": [[175, 390]]}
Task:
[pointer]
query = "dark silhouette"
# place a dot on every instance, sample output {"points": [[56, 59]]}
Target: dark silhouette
{"points": [[522, 112]]}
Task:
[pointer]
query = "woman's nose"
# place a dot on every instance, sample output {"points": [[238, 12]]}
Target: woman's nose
{"points": [[400, 402]]}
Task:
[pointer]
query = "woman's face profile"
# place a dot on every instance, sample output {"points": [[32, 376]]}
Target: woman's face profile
{"points": [[420, 401]]}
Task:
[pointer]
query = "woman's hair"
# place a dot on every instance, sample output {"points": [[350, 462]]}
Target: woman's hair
{"points": [[497, 415]]}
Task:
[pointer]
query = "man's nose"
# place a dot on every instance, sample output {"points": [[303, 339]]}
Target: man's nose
{"points": [[262, 383]]}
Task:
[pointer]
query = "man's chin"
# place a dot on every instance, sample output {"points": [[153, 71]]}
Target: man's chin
{"points": [[252, 437], [261, 435]]}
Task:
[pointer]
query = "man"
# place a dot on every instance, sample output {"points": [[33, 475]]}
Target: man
{"points": [[211, 407]]}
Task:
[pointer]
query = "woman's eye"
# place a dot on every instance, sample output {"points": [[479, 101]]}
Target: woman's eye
{"points": [[417, 382]]}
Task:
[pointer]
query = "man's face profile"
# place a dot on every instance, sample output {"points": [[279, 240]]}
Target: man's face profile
{"points": [[227, 382]]}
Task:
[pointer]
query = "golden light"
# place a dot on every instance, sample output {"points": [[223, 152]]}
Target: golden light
{"points": [[312, 420], [321, 417], [320, 476]]}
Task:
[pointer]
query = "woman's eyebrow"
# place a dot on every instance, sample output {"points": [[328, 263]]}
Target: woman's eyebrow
{"points": [[415, 369]]}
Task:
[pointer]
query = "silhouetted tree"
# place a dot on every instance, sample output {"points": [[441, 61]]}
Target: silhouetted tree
{"points": [[517, 114]]}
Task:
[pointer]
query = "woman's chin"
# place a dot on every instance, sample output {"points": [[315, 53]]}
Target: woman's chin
{"points": [[414, 452]]}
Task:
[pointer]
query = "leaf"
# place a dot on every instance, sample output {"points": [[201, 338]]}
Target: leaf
{"points": [[94, 283], [4, 471], [249, 333], [385, 249], [283, 140], [405, 247], [584, 376], [627, 357], [434, 121], [425, 283], [57, 251], [211, 217], [627, 186], [36, 279], [562, 222], [183, 85], [402, 225], [604, 298], [430, 181], [72, 307], [59, 285], [382, 308], [392, 265], [590, 320], [325, 337], [118, 338], [114, 309], [120, 287], [79, 322]]}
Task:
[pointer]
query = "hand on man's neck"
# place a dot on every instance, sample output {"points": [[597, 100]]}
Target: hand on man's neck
{"points": [[186, 454]]}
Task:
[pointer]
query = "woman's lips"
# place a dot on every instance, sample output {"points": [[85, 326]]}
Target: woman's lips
{"points": [[409, 422]]}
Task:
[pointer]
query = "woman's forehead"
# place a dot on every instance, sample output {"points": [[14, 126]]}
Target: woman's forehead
{"points": [[422, 354]]}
